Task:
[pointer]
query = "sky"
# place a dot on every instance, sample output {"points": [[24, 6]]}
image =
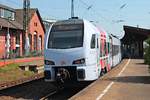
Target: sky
{"points": [[111, 15]]}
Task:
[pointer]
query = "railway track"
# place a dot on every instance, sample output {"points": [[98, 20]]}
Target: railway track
{"points": [[33, 90], [41, 90], [52, 93], [64, 93], [38, 90], [21, 81]]}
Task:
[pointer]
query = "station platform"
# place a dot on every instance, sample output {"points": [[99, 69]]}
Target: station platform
{"points": [[130, 80], [19, 60]]}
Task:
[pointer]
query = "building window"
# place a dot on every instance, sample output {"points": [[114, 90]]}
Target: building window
{"points": [[40, 43], [35, 24], [7, 14], [17, 38], [35, 42], [30, 40]]}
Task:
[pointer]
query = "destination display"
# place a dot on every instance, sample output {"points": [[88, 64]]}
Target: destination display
{"points": [[67, 27]]}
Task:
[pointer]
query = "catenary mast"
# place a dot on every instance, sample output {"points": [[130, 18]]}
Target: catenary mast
{"points": [[26, 18], [72, 8]]}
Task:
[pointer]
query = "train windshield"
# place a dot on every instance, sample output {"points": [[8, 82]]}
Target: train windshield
{"points": [[66, 36]]}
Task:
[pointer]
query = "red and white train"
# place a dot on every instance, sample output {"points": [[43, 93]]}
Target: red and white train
{"points": [[75, 49]]}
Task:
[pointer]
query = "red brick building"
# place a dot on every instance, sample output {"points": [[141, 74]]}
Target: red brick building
{"points": [[11, 21], [8, 24], [36, 29]]}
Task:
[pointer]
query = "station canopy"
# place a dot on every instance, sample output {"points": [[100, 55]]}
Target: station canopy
{"points": [[134, 34]]}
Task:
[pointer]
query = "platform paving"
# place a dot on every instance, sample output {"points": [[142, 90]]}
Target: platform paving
{"points": [[130, 80]]}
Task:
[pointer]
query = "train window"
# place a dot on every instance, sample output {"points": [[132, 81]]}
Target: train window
{"points": [[93, 41], [101, 51], [97, 43], [65, 38], [115, 50], [108, 46], [105, 49]]}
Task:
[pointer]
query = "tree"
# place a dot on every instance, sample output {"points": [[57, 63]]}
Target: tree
{"points": [[147, 53]]}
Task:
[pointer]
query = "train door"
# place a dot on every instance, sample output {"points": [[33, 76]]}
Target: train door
{"points": [[103, 57], [102, 54], [110, 51], [107, 47], [98, 53], [94, 53]]}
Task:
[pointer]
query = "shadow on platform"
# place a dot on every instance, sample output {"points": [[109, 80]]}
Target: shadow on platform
{"points": [[131, 79]]}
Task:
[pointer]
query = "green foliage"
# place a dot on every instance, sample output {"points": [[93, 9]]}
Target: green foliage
{"points": [[28, 73], [148, 40], [9, 67], [35, 53], [12, 72], [147, 53]]}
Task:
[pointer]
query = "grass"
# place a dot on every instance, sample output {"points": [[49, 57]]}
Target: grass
{"points": [[9, 67], [28, 73], [12, 72]]}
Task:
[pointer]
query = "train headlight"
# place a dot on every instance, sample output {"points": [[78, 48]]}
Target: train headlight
{"points": [[48, 62], [79, 61]]}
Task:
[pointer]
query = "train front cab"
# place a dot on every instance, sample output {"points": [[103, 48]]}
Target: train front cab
{"points": [[70, 59]]}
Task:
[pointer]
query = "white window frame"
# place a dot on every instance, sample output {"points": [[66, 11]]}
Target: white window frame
{"points": [[2, 13], [13, 16]]}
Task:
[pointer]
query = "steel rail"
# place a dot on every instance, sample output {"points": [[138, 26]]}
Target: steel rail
{"points": [[20, 81]]}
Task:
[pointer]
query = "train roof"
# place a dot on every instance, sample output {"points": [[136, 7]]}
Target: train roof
{"points": [[70, 21]]}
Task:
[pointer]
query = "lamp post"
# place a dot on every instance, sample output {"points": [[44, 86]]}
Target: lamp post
{"points": [[26, 17]]}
